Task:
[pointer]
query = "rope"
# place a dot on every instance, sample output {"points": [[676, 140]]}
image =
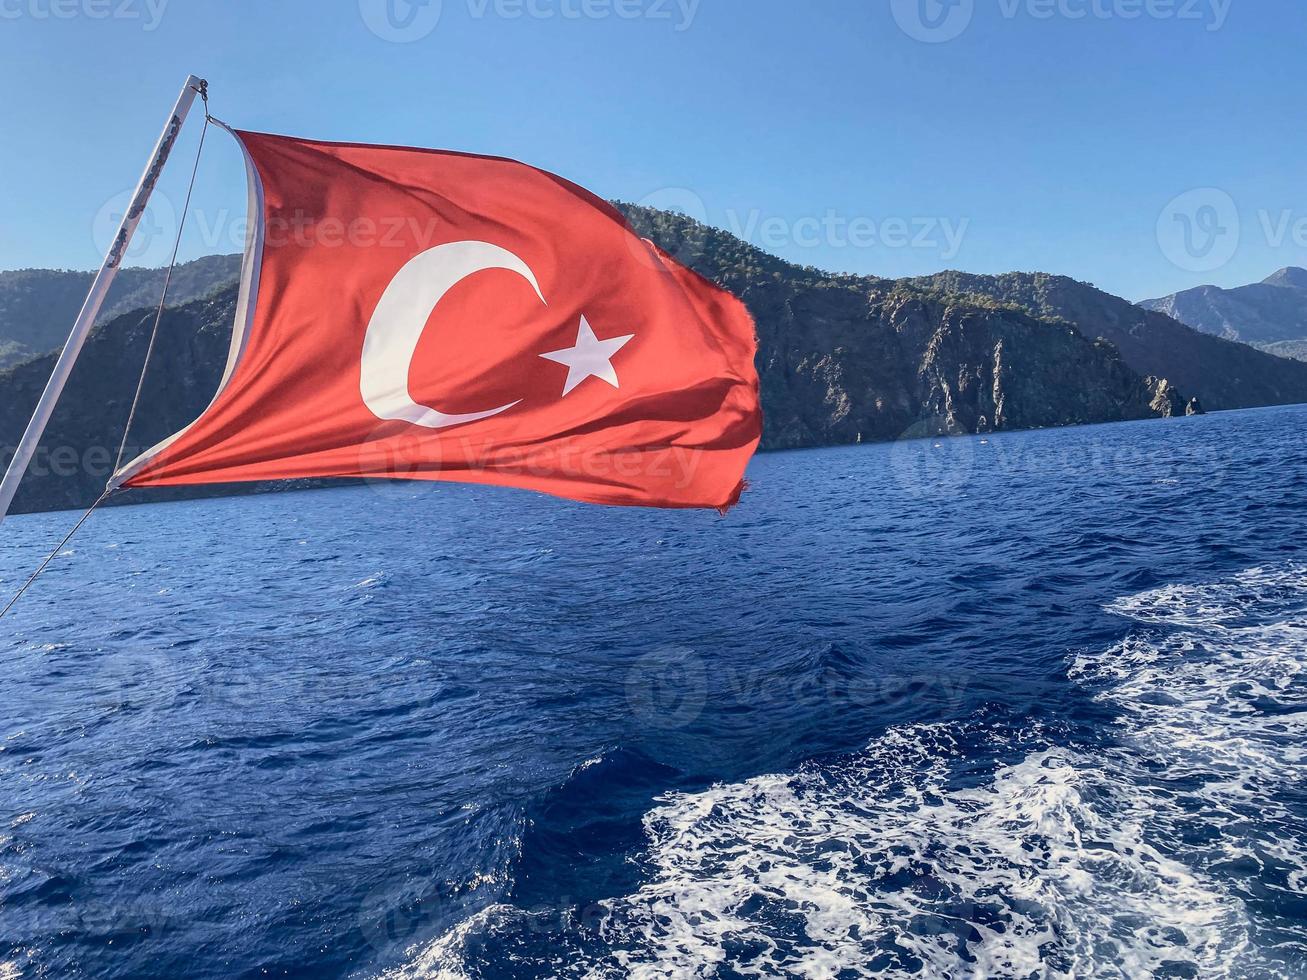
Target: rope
{"points": [[53, 555], [163, 299]]}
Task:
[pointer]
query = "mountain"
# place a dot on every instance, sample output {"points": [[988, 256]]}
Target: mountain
{"points": [[1222, 374], [76, 456], [38, 306], [842, 359], [1266, 313], [1292, 276], [846, 359], [1297, 349]]}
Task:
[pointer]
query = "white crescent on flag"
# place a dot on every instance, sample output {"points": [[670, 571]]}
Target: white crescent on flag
{"points": [[396, 327]]}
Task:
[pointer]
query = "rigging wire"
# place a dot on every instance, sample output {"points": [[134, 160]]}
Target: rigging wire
{"points": [[53, 555], [163, 298], [110, 490]]}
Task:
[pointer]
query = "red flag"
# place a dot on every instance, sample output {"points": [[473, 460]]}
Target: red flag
{"points": [[433, 315]]}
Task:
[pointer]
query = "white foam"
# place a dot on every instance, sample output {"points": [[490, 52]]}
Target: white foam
{"points": [[1113, 860], [884, 868], [443, 959], [1213, 719], [1263, 593]]}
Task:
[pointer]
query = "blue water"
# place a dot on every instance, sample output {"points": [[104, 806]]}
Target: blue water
{"points": [[1027, 705]]}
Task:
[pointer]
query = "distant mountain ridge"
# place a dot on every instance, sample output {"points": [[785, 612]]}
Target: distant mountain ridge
{"points": [[842, 359], [1221, 373], [1266, 314], [38, 306]]}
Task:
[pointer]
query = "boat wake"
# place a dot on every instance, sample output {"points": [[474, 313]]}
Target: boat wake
{"points": [[1171, 844]]}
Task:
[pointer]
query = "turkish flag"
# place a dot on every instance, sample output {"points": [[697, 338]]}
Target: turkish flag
{"points": [[422, 314]]}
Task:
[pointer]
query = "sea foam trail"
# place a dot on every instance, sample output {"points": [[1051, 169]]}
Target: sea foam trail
{"points": [[1151, 854]]}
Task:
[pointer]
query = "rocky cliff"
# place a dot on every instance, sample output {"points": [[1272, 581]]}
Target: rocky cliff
{"points": [[1221, 373]]}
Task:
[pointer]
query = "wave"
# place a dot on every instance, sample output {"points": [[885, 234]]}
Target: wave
{"points": [[1169, 844]]}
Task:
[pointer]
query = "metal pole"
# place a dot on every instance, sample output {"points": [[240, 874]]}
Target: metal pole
{"points": [[95, 299]]}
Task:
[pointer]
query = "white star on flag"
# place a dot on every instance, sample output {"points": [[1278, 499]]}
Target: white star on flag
{"points": [[590, 358]]}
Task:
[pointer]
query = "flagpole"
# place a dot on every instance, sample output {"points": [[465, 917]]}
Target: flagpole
{"points": [[99, 290]]}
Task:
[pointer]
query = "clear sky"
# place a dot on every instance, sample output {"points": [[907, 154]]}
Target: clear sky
{"points": [[1143, 145]]}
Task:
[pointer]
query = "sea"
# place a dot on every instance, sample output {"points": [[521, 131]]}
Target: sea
{"points": [[1022, 705]]}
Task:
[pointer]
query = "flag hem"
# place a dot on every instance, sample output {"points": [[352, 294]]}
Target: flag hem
{"points": [[251, 269]]}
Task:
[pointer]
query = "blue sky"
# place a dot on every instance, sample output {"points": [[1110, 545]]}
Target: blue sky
{"points": [[1143, 145]]}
